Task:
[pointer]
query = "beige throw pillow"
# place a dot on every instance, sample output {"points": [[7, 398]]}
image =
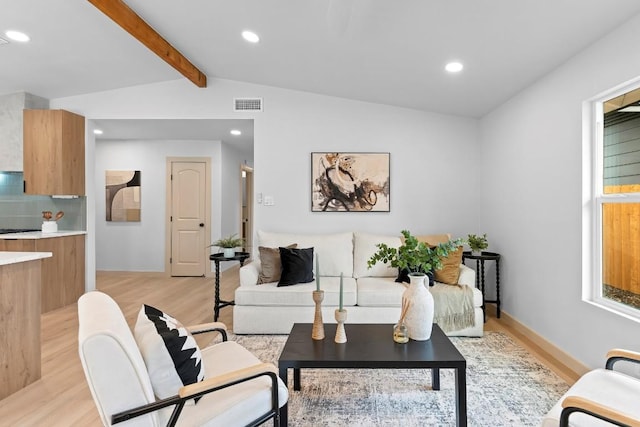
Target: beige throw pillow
{"points": [[271, 264], [450, 271], [434, 239]]}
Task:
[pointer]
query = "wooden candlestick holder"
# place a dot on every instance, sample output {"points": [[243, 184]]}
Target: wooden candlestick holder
{"points": [[341, 317], [317, 333]]}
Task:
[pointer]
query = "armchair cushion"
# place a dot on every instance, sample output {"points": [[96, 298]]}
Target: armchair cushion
{"points": [[615, 390], [170, 352]]}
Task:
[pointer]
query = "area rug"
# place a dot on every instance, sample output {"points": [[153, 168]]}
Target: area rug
{"points": [[506, 386]]}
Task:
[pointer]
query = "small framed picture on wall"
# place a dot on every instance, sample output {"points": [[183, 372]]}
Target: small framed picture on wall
{"points": [[350, 182], [122, 194]]}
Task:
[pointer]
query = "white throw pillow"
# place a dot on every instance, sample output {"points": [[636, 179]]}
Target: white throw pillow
{"points": [[334, 251], [170, 352], [364, 246]]}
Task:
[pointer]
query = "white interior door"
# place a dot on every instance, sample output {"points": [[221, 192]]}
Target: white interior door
{"points": [[188, 215]]}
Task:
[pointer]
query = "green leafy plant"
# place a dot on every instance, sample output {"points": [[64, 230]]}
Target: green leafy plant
{"points": [[414, 256], [477, 243], [229, 242]]}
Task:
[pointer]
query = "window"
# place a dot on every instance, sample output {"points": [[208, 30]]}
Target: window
{"points": [[612, 226]]}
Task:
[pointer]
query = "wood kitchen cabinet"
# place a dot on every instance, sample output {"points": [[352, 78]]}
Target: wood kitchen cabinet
{"points": [[53, 146], [63, 274], [20, 360]]}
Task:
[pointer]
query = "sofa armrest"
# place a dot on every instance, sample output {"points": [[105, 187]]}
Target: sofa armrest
{"points": [[249, 273], [467, 276]]}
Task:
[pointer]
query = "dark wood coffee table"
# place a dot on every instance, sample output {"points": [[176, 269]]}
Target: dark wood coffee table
{"points": [[372, 346]]}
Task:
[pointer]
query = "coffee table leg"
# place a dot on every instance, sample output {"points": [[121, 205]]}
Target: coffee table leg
{"points": [[435, 378], [461, 397], [284, 410], [296, 379]]}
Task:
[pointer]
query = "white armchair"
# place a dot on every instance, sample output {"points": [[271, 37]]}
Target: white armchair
{"points": [[602, 397], [238, 389]]}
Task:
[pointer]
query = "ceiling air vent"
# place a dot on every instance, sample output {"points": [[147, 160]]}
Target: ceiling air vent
{"points": [[3, 41], [247, 104]]}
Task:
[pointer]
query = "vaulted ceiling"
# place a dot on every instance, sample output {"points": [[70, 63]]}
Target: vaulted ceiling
{"points": [[390, 52]]}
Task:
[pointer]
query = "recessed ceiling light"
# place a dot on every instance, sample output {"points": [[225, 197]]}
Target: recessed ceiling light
{"points": [[454, 67], [250, 36], [97, 132], [17, 36], [235, 132]]}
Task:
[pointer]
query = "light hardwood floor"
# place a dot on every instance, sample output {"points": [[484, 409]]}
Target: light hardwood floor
{"points": [[62, 398]]}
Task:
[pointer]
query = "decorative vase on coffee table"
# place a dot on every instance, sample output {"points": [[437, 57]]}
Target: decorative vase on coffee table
{"points": [[229, 252], [419, 318]]}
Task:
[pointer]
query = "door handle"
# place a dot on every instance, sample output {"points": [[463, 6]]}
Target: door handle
{"points": [[202, 224]]}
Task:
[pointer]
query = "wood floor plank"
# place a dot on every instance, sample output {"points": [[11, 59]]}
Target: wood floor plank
{"points": [[62, 397]]}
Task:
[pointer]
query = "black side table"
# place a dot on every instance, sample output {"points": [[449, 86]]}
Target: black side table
{"points": [[218, 303], [480, 259]]}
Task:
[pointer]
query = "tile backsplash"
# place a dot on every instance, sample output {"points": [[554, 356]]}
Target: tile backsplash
{"points": [[19, 210]]}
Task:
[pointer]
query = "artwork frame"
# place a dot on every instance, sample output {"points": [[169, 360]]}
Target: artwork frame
{"points": [[122, 196], [350, 182]]}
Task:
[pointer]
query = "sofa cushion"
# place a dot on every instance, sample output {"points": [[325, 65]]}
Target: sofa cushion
{"points": [[364, 246], [385, 292], [170, 352], [270, 294], [334, 251], [450, 270], [297, 266], [271, 266], [380, 292]]}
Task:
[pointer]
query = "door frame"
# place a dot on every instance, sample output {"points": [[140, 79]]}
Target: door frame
{"points": [[168, 205], [247, 186]]}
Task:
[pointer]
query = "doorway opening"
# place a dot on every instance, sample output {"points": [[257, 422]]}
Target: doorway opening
{"points": [[246, 207]]}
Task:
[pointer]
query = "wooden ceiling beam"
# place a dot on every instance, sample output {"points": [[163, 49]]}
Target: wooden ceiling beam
{"points": [[131, 22]]}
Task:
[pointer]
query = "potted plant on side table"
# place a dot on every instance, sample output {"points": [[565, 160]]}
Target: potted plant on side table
{"points": [[418, 258], [229, 245], [477, 243]]}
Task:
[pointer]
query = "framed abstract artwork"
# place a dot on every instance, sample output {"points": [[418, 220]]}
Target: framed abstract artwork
{"points": [[350, 182], [122, 192]]}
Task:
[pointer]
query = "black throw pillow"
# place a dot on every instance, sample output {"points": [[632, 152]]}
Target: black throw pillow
{"points": [[297, 266], [403, 276]]}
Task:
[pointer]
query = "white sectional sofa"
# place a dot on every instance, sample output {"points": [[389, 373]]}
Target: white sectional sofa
{"points": [[370, 295]]}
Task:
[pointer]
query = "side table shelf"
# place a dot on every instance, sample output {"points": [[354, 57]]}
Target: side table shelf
{"points": [[218, 303], [480, 259]]}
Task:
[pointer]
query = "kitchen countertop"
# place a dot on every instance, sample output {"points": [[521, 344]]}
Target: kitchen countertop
{"points": [[7, 258], [40, 235]]}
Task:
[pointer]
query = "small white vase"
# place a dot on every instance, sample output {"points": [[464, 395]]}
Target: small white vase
{"points": [[419, 318], [229, 252]]}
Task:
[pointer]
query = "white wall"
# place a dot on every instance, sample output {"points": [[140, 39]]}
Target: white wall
{"points": [[434, 158], [140, 246], [532, 205]]}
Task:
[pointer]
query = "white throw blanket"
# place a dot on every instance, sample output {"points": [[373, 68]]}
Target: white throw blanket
{"points": [[453, 306]]}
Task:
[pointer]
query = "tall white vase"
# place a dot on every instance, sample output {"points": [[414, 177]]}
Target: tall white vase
{"points": [[419, 318]]}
